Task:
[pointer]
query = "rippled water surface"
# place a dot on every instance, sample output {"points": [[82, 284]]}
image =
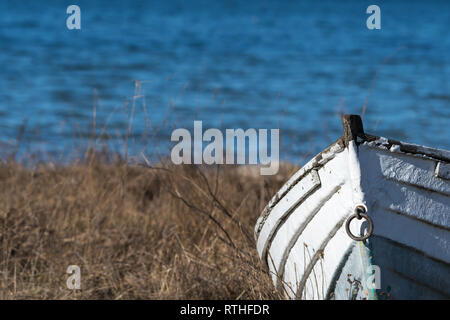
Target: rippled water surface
{"points": [[143, 68]]}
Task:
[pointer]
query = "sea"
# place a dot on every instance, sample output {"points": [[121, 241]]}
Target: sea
{"points": [[137, 70]]}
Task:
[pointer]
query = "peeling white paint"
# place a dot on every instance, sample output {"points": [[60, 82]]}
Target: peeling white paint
{"points": [[406, 198]]}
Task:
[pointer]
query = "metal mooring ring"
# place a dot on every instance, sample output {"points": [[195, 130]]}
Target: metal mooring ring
{"points": [[359, 215]]}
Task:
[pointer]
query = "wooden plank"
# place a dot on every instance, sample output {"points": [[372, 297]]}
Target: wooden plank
{"points": [[431, 241], [314, 164], [284, 209], [317, 255], [413, 202], [292, 237], [402, 287], [406, 185], [333, 178], [413, 171], [410, 264]]}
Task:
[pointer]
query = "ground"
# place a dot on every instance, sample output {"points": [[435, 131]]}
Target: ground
{"points": [[135, 231]]}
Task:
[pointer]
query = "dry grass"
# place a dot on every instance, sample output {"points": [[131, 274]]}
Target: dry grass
{"points": [[173, 232]]}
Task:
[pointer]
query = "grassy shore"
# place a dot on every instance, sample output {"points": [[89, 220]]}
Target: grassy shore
{"points": [[137, 232]]}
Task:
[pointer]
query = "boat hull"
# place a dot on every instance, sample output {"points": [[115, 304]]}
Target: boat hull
{"points": [[302, 240]]}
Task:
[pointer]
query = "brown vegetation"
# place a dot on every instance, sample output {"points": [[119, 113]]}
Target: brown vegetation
{"points": [[137, 232]]}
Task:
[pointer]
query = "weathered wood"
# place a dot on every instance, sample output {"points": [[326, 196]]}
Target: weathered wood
{"points": [[353, 128], [302, 241], [409, 263]]}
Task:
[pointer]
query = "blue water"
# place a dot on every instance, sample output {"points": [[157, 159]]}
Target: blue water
{"points": [[293, 65]]}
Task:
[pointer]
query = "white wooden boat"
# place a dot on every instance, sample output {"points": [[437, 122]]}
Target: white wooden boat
{"points": [[364, 205]]}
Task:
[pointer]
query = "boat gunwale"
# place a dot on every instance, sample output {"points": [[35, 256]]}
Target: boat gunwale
{"points": [[408, 148]]}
